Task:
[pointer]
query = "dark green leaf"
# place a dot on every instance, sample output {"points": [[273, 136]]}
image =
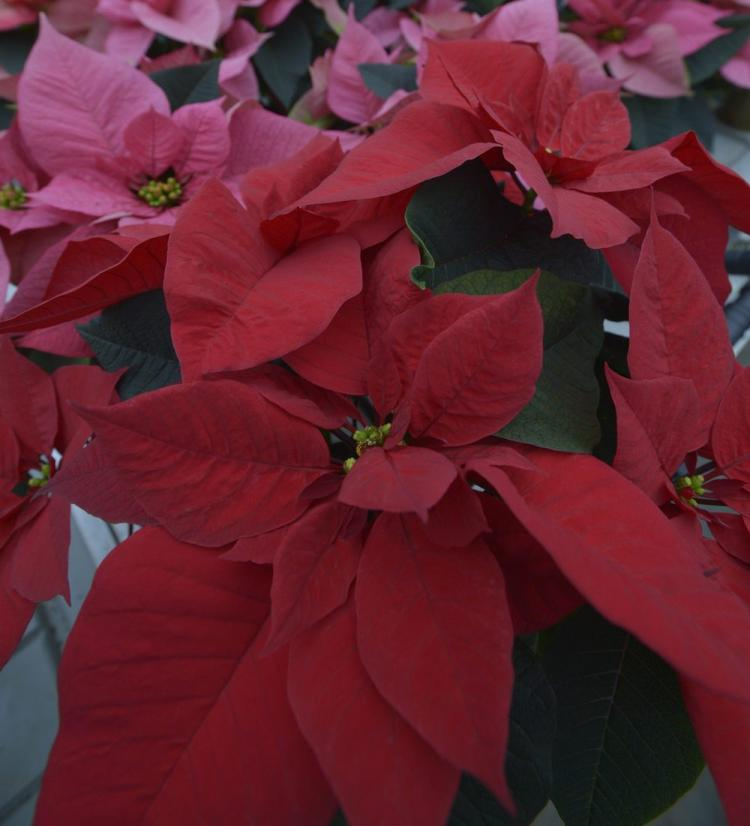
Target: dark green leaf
{"points": [[7, 112], [734, 21], [654, 120], [283, 60], [528, 761], [483, 6], [562, 415], [135, 334], [189, 84], [703, 63], [462, 224], [399, 4], [625, 749], [384, 79], [363, 7], [15, 46]]}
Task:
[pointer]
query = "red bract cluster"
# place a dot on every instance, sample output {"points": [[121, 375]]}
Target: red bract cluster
{"points": [[356, 491]]}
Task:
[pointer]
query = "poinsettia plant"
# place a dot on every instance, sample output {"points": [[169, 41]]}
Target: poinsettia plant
{"points": [[421, 541]]}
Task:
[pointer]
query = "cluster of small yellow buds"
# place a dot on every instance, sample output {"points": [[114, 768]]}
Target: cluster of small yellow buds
{"points": [[689, 487], [616, 34], [38, 477], [349, 464], [371, 436], [161, 193], [12, 195]]}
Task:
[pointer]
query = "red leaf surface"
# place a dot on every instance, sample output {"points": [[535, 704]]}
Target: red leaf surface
{"points": [[396, 356], [388, 289], [433, 622], [381, 770], [298, 397], [82, 385], [402, 480], [391, 160], [730, 440], [457, 519], [313, 570], [623, 555], [211, 461], [162, 674], [539, 596], [677, 327], [40, 552], [337, 359], [88, 479], [138, 270], [657, 427], [726, 188], [583, 216], [594, 126], [229, 295], [15, 611], [456, 74], [27, 403], [475, 376], [260, 549], [723, 730]]}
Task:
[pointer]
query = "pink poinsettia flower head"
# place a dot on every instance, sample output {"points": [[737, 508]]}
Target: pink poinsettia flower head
{"points": [[135, 23], [644, 43], [121, 153]]}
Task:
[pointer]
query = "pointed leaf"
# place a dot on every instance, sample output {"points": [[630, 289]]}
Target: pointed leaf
{"points": [[211, 461], [312, 570], [134, 335], [85, 98], [476, 375], [139, 269], [528, 762], [380, 769], [677, 327], [435, 621], [625, 750], [402, 480], [638, 570], [183, 695], [189, 84], [228, 294]]}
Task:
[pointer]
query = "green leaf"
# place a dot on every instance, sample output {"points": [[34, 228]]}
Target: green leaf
{"points": [[462, 223], [703, 63], [483, 6], [7, 113], [135, 334], [189, 84], [283, 60], [383, 79], [562, 415], [15, 46], [528, 760], [363, 7], [625, 749], [654, 120]]}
